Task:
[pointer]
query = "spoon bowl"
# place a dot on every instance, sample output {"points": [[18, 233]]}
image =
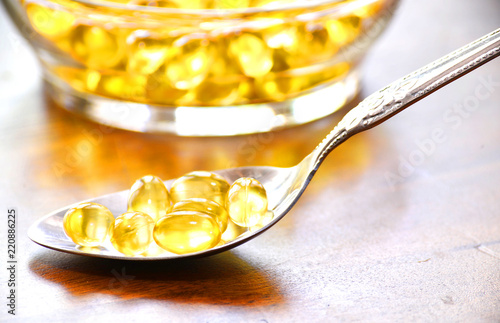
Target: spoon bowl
{"points": [[284, 186]]}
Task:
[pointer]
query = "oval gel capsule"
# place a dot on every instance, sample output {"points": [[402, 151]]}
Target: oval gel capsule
{"points": [[246, 202], [211, 208], [149, 195], [88, 224], [200, 184], [132, 233], [185, 232]]}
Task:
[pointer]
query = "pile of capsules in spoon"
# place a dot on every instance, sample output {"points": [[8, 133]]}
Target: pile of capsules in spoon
{"points": [[194, 216]]}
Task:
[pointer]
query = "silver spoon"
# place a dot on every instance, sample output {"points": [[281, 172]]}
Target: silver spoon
{"points": [[285, 185]]}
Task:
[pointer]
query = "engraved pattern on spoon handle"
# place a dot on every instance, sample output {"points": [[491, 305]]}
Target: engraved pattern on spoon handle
{"points": [[402, 93]]}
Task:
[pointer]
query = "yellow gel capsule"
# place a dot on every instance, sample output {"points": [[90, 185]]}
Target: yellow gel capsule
{"points": [[344, 30], [182, 4], [233, 231], [49, 22], [230, 4], [214, 209], [88, 224], [370, 10], [279, 87], [123, 86], [254, 57], [149, 195], [146, 53], [268, 217], [219, 91], [224, 82], [132, 233], [200, 184], [159, 90], [314, 46], [96, 46], [189, 61], [246, 202], [183, 232], [80, 79]]}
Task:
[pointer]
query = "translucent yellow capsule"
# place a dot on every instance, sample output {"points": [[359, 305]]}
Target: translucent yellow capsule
{"points": [[327, 73], [189, 62], [181, 4], [314, 45], [159, 90], [344, 30], [183, 232], [149, 195], [145, 52], [232, 232], [230, 4], [252, 54], [78, 78], [246, 202], [88, 224], [281, 35], [123, 86], [224, 83], [97, 47], [132, 233], [214, 209], [200, 184], [219, 90], [268, 3], [279, 86], [268, 217], [49, 22], [370, 10]]}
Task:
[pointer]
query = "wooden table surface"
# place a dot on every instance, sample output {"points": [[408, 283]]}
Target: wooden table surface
{"points": [[401, 223]]}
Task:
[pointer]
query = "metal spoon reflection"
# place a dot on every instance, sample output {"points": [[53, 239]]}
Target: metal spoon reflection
{"points": [[285, 185]]}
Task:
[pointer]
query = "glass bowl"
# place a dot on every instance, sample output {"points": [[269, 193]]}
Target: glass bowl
{"points": [[201, 67]]}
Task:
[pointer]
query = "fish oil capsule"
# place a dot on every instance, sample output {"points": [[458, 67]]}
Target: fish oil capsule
{"points": [[97, 47], [49, 22], [200, 184], [183, 232], [232, 232], [189, 61], [344, 30], [88, 224], [314, 45], [145, 52], [211, 208], [224, 82], [252, 54], [122, 86], [149, 195], [132, 233], [230, 4], [268, 217], [159, 90], [279, 87], [246, 202], [80, 79]]}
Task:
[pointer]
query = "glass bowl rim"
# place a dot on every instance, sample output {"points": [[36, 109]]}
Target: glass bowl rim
{"points": [[214, 13]]}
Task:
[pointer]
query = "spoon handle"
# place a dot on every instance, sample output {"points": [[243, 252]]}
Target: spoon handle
{"points": [[402, 93]]}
